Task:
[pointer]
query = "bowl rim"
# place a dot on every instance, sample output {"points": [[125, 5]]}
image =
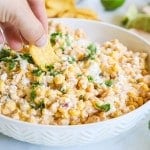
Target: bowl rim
{"points": [[103, 23], [11, 120]]}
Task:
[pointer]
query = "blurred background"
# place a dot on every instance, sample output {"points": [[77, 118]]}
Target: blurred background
{"points": [[133, 15]]}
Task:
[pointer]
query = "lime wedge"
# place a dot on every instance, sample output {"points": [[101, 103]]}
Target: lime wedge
{"points": [[130, 15], [142, 22], [136, 20], [112, 4]]}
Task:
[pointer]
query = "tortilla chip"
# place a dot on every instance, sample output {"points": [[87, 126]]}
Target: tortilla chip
{"points": [[67, 8], [67, 14], [60, 5], [43, 56], [51, 13], [86, 13]]}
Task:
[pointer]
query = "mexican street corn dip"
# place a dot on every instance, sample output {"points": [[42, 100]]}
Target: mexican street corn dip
{"points": [[91, 82]]}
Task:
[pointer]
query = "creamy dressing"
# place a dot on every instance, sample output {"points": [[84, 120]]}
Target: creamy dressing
{"points": [[23, 64], [25, 80], [94, 71], [4, 76]]}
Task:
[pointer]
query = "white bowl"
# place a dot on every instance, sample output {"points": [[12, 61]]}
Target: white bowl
{"points": [[88, 133]]}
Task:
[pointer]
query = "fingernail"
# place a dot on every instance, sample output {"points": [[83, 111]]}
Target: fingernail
{"points": [[17, 46], [42, 41]]}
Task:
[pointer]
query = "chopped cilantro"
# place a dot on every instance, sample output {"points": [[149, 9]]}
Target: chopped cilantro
{"points": [[92, 48], [9, 58], [67, 40], [104, 107], [11, 65], [81, 97], [40, 105], [5, 59], [37, 72], [79, 75], [32, 95], [91, 51], [63, 90], [54, 36], [108, 83], [50, 68], [62, 48], [71, 60], [4, 53], [90, 78], [35, 84], [27, 57], [52, 71], [33, 104]]}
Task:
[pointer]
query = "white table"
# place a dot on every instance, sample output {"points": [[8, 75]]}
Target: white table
{"points": [[135, 139]]}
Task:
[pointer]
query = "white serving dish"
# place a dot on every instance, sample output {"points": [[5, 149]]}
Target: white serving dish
{"points": [[89, 133]]}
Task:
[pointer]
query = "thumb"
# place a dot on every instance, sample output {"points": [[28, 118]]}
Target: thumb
{"points": [[29, 26]]}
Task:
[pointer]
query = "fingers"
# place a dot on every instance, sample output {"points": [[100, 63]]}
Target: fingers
{"points": [[29, 26], [2, 40], [38, 8], [12, 36], [24, 41]]}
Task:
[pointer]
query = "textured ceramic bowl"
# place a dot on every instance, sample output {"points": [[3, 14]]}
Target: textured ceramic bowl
{"points": [[88, 133]]}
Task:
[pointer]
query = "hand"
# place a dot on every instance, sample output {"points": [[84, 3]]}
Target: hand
{"points": [[23, 21]]}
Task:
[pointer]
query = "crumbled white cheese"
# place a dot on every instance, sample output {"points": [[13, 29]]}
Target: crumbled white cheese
{"points": [[82, 42], [4, 76], [23, 64], [124, 87], [25, 80], [94, 71], [49, 79], [16, 78], [12, 89]]}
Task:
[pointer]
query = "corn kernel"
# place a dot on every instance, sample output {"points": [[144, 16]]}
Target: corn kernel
{"points": [[81, 105], [83, 83], [9, 107], [93, 118], [102, 115], [59, 79], [140, 101], [131, 107], [64, 113], [90, 88], [80, 56], [144, 87], [135, 104], [24, 116], [74, 112], [117, 105], [117, 113], [2, 86]]}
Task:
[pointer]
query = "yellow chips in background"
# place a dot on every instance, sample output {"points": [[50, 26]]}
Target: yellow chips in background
{"points": [[68, 9]]}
